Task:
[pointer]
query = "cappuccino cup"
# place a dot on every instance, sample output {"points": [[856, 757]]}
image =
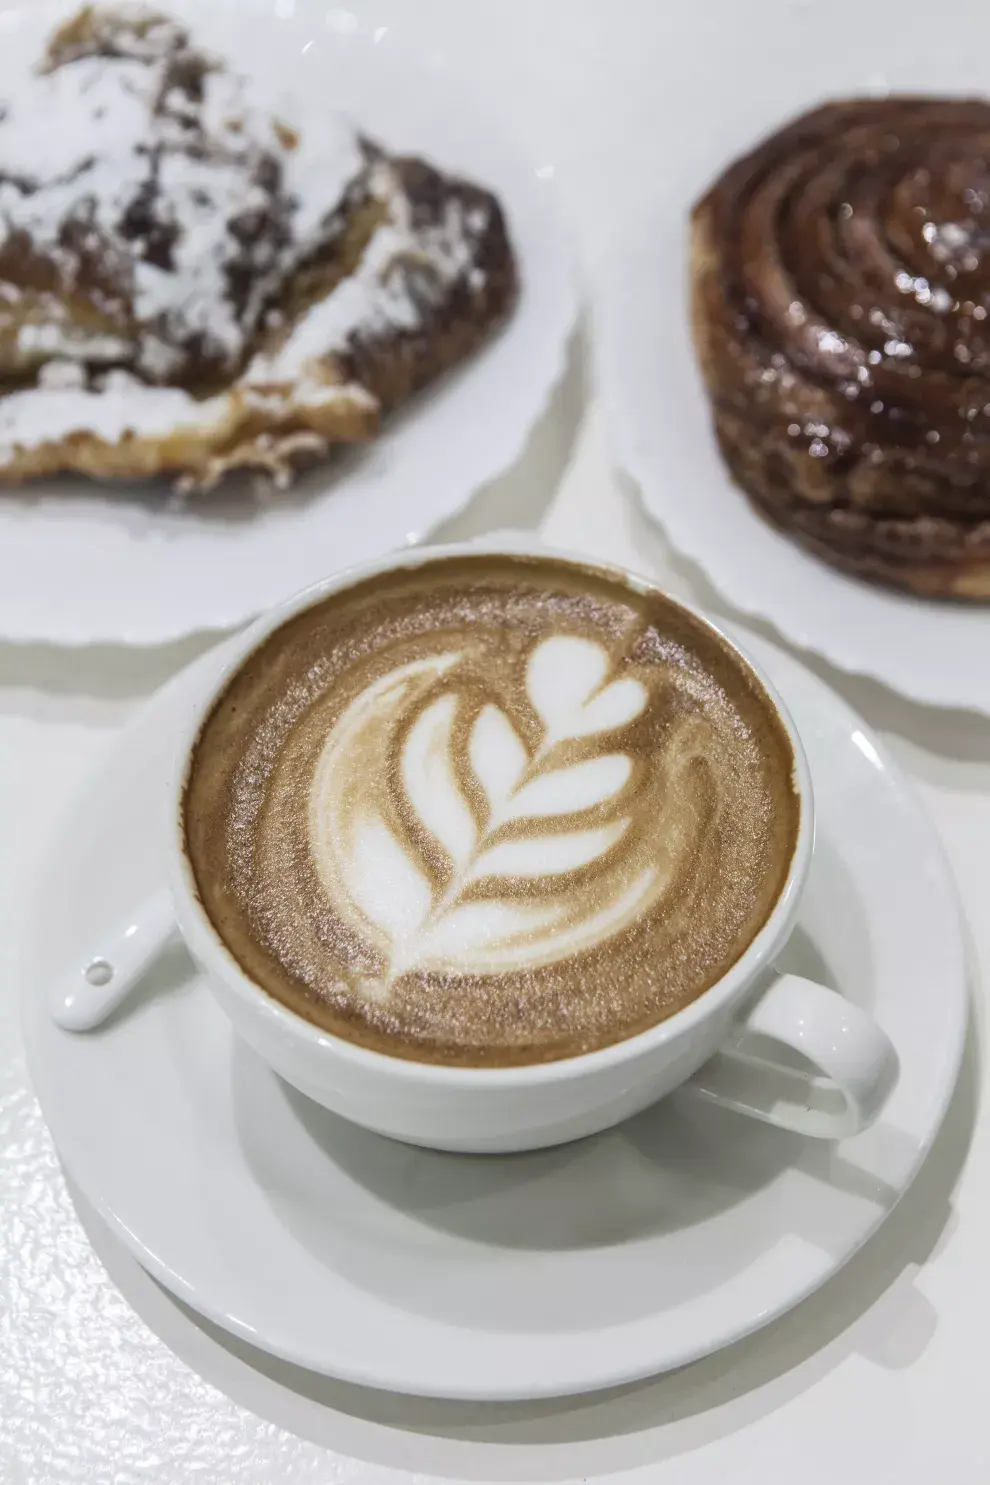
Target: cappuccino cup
{"points": [[487, 849]]}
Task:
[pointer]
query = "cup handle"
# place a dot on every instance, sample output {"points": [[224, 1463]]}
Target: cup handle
{"points": [[853, 1063], [85, 996]]}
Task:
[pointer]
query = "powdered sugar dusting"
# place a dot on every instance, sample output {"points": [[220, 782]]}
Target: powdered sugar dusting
{"points": [[165, 210], [385, 293], [122, 407], [28, 418], [152, 187]]}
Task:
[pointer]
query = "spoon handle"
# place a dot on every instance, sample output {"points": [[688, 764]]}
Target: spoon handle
{"points": [[86, 995]]}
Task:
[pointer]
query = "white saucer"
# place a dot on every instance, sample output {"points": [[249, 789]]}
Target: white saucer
{"points": [[660, 425], [150, 570], [492, 1278]]}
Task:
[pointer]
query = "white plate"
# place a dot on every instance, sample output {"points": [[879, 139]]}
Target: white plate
{"points": [[489, 1278], [81, 565], [656, 405]]}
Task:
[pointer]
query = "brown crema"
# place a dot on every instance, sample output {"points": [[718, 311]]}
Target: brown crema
{"points": [[490, 810]]}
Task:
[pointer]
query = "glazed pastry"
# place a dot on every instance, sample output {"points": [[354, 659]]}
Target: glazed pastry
{"points": [[189, 286], [841, 313]]}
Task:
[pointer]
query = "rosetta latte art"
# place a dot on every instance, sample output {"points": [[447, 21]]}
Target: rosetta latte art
{"points": [[530, 832], [490, 811]]}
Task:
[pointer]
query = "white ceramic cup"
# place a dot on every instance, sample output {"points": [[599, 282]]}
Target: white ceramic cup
{"points": [[734, 1045]]}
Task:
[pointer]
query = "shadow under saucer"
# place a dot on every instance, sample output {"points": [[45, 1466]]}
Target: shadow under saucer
{"points": [[872, 1309]]}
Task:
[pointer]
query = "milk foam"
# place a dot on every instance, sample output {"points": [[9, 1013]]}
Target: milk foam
{"points": [[467, 920]]}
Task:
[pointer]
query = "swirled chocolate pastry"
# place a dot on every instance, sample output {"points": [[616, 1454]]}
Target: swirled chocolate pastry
{"points": [[840, 302], [189, 285], [490, 810]]}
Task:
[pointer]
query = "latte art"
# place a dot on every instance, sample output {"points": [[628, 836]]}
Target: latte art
{"points": [[511, 827], [490, 810]]}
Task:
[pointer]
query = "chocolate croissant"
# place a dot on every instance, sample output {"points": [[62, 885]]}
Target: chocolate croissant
{"points": [[189, 285], [841, 314]]}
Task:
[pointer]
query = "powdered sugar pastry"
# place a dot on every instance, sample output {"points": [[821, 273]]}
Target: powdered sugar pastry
{"points": [[151, 215], [148, 185]]}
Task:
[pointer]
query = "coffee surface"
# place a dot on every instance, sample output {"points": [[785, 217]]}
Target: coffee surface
{"points": [[490, 810]]}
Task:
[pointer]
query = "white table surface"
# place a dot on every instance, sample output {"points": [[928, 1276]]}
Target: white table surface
{"points": [[880, 1377]]}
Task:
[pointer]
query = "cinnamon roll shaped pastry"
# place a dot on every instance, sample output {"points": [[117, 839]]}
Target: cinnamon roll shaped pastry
{"points": [[841, 314]]}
